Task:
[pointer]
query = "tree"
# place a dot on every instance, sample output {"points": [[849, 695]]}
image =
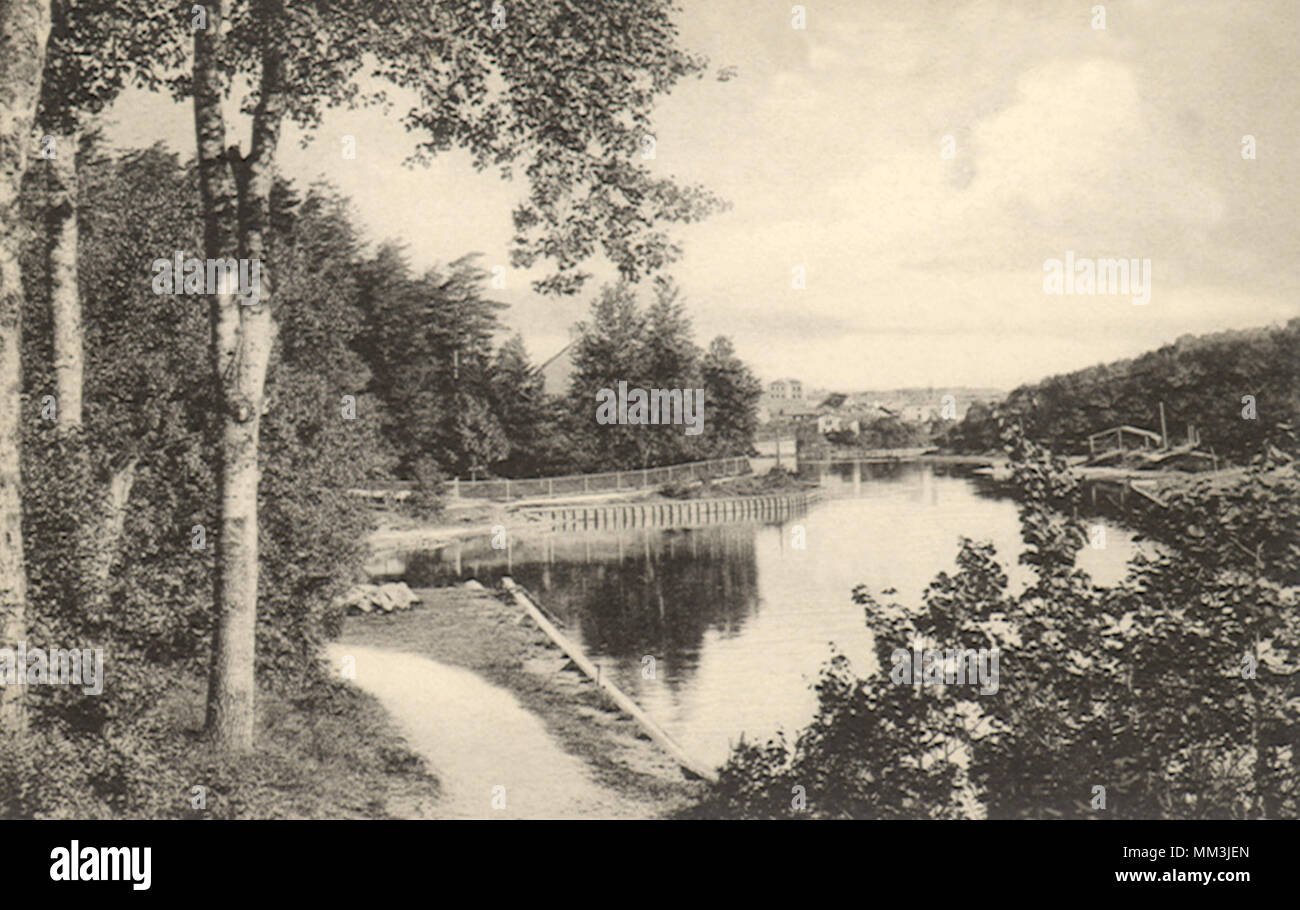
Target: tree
{"points": [[428, 341], [142, 402], [672, 361], [731, 395], [610, 348], [654, 349], [569, 101], [977, 431], [24, 30], [94, 51], [526, 416]]}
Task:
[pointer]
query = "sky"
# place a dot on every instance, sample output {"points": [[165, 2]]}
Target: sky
{"points": [[920, 162]]}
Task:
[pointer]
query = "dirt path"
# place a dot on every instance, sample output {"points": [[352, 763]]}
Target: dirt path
{"points": [[478, 738]]}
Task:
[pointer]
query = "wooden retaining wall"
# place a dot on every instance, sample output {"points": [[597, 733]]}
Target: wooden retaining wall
{"points": [[687, 513]]}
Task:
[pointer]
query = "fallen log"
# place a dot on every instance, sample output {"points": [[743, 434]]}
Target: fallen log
{"points": [[652, 729]]}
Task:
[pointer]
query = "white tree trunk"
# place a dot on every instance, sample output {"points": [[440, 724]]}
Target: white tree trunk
{"points": [[65, 301], [24, 29], [243, 337]]}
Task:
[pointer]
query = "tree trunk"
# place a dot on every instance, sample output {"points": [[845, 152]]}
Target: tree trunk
{"points": [[24, 29], [243, 336], [65, 301], [102, 541], [230, 700]]}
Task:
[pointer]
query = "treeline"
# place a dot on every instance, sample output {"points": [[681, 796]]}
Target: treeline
{"points": [[652, 347], [455, 405], [1239, 389]]}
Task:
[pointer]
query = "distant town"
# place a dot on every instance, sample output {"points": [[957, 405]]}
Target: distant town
{"points": [[888, 417]]}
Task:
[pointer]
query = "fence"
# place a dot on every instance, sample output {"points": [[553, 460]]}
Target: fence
{"points": [[515, 488], [597, 483]]}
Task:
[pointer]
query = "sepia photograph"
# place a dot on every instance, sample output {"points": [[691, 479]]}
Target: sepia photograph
{"points": [[882, 411]]}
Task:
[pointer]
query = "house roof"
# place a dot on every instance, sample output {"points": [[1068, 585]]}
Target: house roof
{"points": [[557, 371]]}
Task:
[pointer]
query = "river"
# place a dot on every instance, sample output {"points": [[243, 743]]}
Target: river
{"points": [[720, 631]]}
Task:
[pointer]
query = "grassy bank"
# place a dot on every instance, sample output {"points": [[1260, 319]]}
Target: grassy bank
{"points": [[329, 753], [476, 631]]}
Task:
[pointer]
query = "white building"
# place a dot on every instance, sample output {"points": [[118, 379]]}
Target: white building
{"points": [[785, 388], [834, 423]]}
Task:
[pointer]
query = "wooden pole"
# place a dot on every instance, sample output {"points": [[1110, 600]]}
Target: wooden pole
{"points": [[656, 733], [1164, 430]]}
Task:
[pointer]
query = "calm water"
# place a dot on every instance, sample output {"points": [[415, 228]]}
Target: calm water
{"points": [[737, 619]]}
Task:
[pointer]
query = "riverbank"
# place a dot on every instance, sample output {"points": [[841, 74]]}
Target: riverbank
{"points": [[396, 530], [475, 631]]}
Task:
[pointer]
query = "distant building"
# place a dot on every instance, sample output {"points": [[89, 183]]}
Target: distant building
{"points": [[836, 423], [785, 389], [558, 371], [871, 413], [771, 408]]}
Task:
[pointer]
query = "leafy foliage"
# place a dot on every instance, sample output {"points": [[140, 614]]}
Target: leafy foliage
{"points": [[1177, 690], [144, 402], [654, 349]]}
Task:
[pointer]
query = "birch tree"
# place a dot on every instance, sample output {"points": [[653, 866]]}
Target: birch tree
{"points": [[24, 30], [96, 48]]}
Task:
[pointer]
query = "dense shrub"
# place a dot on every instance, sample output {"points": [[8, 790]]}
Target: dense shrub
{"points": [[142, 590]]}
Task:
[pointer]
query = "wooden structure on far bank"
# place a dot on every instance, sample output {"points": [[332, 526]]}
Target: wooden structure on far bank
{"points": [[1112, 439]]}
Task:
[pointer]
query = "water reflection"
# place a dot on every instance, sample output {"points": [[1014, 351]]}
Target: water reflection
{"points": [[737, 619]]}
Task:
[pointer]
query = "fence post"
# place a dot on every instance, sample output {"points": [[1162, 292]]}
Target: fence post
{"points": [[455, 487], [507, 488], [550, 486]]}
